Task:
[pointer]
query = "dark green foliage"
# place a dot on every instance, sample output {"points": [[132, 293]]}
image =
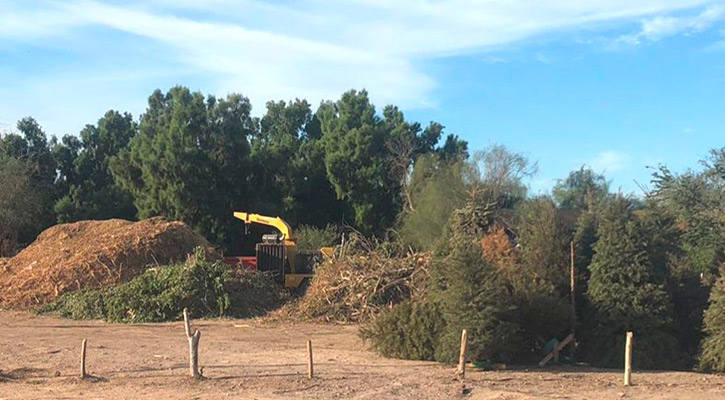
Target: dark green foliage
{"points": [[356, 159], [189, 160], [627, 293], [19, 205], [288, 168], [160, 294], [85, 176], [312, 238], [32, 150], [409, 330], [696, 202], [472, 297], [544, 244], [712, 356]]}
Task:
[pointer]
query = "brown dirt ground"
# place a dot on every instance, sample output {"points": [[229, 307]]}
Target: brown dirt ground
{"points": [[258, 360]]}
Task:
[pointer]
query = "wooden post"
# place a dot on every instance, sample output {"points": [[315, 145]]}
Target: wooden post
{"points": [[628, 360], [193, 346], [310, 366], [572, 289], [462, 355], [83, 359]]}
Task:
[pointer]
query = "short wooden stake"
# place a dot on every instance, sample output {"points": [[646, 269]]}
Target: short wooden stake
{"points": [[193, 346], [83, 359], [462, 355], [310, 365], [628, 360]]}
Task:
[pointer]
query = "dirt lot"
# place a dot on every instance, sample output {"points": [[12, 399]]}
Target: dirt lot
{"points": [[250, 359]]}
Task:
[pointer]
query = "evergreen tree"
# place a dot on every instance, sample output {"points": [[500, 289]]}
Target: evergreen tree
{"points": [[91, 192], [626, 293], [190, 160], [470, 291]]}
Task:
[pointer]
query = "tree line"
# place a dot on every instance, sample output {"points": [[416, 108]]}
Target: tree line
{"points": [[196, 158]]}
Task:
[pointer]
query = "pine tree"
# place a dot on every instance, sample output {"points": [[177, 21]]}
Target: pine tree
{"points": [[470, 291], [626, 294], [712, 356]]}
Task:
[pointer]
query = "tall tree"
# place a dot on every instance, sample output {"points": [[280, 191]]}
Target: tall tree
{"points": [[503, 172], [580, 189], [20, 203], [288, 166], [32, 149], [627, 293], [357, 160], [84, 166], [190, 160]]}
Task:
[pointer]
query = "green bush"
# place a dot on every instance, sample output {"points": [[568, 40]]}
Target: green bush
{"points": [[160, 294], [712, 356], [313, 238], [410, 330]]}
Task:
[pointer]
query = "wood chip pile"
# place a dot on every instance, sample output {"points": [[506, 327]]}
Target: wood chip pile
{"points": [[357, 284], [92, 254]]}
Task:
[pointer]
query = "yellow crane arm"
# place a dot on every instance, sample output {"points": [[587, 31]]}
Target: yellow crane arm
{"points": [[276, 222]]}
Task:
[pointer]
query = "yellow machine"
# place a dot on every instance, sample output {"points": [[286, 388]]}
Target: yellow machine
{"points": [[278, 253]]}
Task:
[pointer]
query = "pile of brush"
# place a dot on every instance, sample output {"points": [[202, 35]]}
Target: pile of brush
{"points": [[362, 279]]}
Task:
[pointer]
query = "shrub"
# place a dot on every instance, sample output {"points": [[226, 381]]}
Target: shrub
{"points": [[409, 330], [313, 238]]}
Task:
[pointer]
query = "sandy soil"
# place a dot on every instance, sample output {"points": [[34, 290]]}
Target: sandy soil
{"points": [[250, 359]]}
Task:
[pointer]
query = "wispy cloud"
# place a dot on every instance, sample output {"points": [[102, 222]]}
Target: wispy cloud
{"points": [[660, 27], [315, 49], [610, 161]]}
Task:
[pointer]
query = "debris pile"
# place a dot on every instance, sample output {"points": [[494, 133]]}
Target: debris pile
{"points": [[359, 282], [92, 254]]}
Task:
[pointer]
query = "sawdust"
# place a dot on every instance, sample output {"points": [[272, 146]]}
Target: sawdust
{"points": [[92, 254]]}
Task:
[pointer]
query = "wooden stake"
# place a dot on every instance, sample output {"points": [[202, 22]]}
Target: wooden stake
{"points": [[628, 360], [83, 359], [193, 346], [572, 289], [462, 355], [310, 365]]}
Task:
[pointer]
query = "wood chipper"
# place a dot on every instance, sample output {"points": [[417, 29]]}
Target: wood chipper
{"points": [[278, 253]]}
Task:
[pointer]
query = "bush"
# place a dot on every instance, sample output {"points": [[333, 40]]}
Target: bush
{"points": [[712, 356], [207, 289], [313, 238], [409, 330]]}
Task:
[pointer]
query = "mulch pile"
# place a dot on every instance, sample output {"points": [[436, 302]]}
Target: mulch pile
{"points": [[92, 254], [358, 284]]}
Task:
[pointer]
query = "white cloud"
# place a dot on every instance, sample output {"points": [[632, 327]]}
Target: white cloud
{"points": [[660, 27], [610, 162], [314, 49]]}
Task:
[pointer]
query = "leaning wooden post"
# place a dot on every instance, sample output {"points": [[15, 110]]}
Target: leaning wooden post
{"points": [[193, 346], [572, 289], [462, 355], [628, 360], [310, 365], [83, 359]]}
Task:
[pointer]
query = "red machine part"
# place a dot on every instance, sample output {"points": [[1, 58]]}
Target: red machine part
{"points": [[241, 262]]}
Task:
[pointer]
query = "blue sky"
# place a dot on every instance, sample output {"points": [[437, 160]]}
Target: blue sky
{"points": [[613, 84]]}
